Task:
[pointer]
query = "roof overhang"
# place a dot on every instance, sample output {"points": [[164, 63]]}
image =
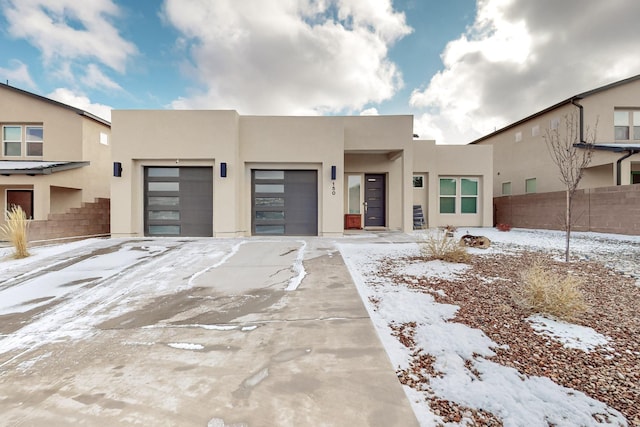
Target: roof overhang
{"points": [[616, 148], [26, 167]]}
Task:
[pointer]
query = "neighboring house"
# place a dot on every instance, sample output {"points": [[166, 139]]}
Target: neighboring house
{"points": [[217, 173], [523, 166], [55, 163]]}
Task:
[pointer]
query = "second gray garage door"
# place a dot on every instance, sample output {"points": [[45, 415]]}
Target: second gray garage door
{"points": [[284, 202]]}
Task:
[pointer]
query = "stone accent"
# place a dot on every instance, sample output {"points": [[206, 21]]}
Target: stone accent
{"points": [[605, 210], [92, 219]]}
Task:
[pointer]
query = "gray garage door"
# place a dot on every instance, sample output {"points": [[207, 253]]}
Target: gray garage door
{"points": [[178, 201], [284, 202]]}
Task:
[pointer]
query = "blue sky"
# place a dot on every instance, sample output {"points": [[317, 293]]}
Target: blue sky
{"points": [[462, 67]]}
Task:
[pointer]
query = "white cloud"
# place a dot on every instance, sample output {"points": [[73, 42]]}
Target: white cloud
{"points": [[521, 56], [17, 73], [288, 56], [79, 100], [95, 78], [70, 29], [369, 112]]}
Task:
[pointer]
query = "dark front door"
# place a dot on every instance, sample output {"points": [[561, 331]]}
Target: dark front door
{"points": [[374, 199], [22, 198]]}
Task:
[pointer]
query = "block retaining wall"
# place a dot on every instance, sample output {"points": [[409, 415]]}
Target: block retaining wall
{"points": [[92, 219], [604, 210]]}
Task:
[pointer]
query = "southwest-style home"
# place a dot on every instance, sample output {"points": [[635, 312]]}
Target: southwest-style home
{"points": [[219, 173], [608, 200], [55, 163]]}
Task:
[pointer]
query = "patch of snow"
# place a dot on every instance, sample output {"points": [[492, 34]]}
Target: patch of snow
{"points": [[298, 267], [435, 268], [570, 335], [185, 346], [224, 259]]}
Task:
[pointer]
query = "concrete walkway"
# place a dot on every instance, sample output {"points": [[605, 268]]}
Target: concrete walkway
{"points": [[229, 346]]}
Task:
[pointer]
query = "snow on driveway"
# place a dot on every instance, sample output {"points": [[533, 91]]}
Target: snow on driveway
{"points": [[62, 291]]}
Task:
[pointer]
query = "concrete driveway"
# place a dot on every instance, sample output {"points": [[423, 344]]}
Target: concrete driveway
{"points": [[191, 332]]}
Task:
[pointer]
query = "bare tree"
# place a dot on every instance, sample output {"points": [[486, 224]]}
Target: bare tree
{"points": [[570, 160]]}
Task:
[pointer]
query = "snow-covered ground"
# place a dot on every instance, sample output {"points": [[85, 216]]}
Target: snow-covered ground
{"points": [[517, 400]]}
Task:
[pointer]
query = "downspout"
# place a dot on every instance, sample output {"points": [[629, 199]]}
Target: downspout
{"points": [[581, 118]]}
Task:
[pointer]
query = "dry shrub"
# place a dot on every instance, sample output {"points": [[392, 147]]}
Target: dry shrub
{"points": [[543, 291], [443, 247], [15, 231]]}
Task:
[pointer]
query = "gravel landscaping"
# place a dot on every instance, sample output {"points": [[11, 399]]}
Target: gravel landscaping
{"points": [[606, 370]]}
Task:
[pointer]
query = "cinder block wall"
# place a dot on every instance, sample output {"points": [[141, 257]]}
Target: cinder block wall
{"points": [[89, 220], [605, 210]]}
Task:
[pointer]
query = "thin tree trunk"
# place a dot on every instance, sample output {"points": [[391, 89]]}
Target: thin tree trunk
{"points": [[568, 226]]}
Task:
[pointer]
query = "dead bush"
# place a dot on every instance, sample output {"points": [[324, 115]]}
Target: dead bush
{"points": [[545, 292], [15, 231], [440, 245]]}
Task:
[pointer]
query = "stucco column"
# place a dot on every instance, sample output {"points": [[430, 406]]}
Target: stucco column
{"points": [[41, 200], [407, 190]]}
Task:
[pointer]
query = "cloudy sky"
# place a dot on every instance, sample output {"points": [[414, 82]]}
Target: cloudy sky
{"points": [[463, 68]]}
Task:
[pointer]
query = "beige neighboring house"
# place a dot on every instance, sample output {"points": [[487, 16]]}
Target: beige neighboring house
{"points": [[55, 163], [523, 165], [222, 174], [526, 185]]}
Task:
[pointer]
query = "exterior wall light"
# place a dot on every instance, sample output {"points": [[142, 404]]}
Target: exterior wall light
{"points": [[334, 173], [117, 169], [223, 170]]}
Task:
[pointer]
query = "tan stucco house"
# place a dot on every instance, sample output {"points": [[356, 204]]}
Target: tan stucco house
{"points": [[219, 173], [523, 165], [54, 158]]}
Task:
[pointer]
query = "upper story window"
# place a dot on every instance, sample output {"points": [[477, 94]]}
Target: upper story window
{"points": [[34, 137], [530, 185], [506, 188], [12, 140], [535, 130], [18, 140], [626, 124], [518, 136]]}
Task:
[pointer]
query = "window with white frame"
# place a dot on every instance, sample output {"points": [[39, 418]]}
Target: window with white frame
{"points": [[18, 139], [34, 137], [518, 136], [554, 123], [12, 140], [458, 194], [626, 124]]}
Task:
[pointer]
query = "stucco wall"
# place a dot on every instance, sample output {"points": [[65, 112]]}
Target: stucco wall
{"points": [[456, 161]]}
